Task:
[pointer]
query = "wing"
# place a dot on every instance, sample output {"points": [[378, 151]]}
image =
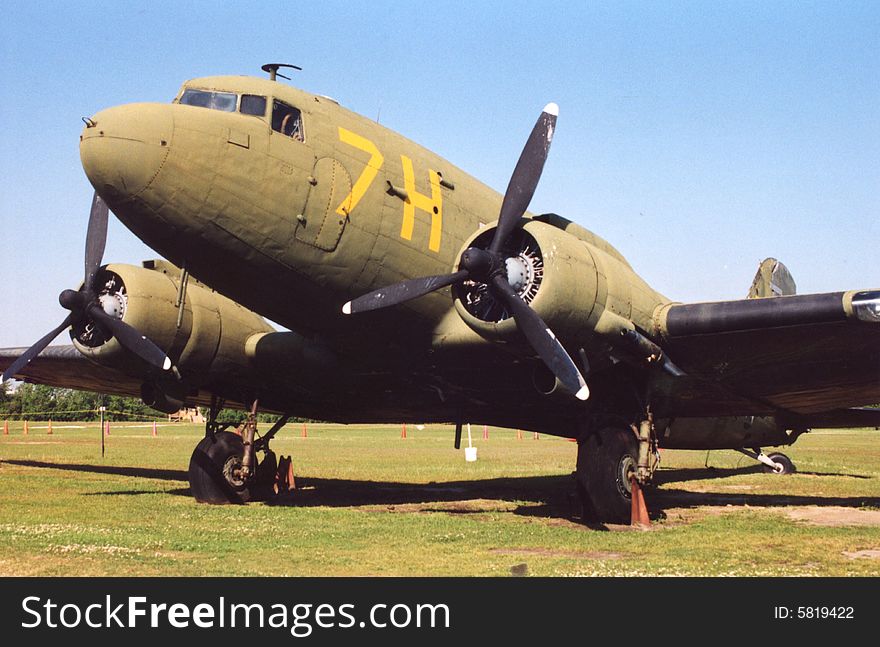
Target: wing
{"points": [[66, 367], [800, 355]]}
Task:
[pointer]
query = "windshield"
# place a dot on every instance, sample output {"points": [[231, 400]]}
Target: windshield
{"points": [[205, 99]]}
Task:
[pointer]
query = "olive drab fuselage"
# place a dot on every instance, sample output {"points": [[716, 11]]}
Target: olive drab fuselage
{"points": [[292, 227]]}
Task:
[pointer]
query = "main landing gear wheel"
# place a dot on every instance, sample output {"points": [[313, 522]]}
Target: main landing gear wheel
{"points": [[780, 459], [606, 462], [215, 471]]}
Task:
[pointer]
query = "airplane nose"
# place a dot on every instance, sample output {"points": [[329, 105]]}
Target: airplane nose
{"points": [[123, 148]]}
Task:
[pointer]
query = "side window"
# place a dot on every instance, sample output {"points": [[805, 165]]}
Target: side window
{"points": [[287, 120], [252, 104]]}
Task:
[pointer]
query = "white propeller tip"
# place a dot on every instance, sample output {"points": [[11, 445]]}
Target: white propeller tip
{"points": [[583, 393], [346, 309], [167, 364], [552, 109]]}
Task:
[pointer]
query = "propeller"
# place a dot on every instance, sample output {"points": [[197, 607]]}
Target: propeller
{"points": [[488, 265], [84, 304]]}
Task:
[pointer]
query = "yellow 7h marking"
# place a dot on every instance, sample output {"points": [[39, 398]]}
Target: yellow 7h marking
{"points": [[367, 175], [432, 205]]}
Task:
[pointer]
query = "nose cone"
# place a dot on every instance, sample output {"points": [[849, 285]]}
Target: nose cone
{"points": [[125, 147]]}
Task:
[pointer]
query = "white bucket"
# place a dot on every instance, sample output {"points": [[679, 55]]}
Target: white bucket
{"points": [[470, 454]]}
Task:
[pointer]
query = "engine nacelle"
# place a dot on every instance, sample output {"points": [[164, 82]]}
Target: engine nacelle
{"points": [[207, 334], [580, 286]]}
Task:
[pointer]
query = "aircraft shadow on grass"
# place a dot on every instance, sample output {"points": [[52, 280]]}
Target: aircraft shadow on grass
{"points": [[549, 497], [139, 472], [684, 474]]}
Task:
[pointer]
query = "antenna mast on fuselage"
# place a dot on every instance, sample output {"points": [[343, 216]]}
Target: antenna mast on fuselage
{"points": [[272, 69]]}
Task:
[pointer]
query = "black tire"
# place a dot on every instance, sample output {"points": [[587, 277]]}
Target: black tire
{"points": [[777, 457], [605, 460], [212, 470]]}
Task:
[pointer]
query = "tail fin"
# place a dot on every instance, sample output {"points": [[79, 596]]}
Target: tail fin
{"points": [[772, 280]]}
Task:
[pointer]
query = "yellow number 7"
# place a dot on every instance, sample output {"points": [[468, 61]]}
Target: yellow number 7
{"points": [[374, 164]]}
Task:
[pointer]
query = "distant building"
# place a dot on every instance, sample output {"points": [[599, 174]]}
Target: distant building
{"points": [[187, 415]]}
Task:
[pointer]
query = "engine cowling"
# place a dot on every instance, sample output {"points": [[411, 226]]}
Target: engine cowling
{"points": [[209, 338], [553, 271]]}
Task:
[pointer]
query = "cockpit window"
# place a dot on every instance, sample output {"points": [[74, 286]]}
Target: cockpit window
{"points": [[224, 101], [251, 104], [287, 120]]}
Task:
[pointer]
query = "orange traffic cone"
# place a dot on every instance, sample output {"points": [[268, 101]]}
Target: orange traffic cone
{"points": [[5, 427], [305, 432], [639, 511], [25, 428], [291, 480], [403, 431], [485, 432], [49, 431], [107, 428], [155, 430]]}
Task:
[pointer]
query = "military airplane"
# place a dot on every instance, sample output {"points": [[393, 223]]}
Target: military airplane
{"points": [[412, 292]]}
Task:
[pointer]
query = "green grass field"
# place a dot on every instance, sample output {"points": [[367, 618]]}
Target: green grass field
{"points": [[371, 503]]}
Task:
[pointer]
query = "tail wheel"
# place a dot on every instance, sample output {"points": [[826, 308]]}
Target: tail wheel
{"points": [[606, 461], [780, 459], [215, 470]]}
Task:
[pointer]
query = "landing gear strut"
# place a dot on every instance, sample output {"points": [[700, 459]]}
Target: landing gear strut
{"points": [[611, 463], [224, 466], [774, 463]]}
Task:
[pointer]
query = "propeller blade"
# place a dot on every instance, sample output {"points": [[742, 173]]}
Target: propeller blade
{"points": [[401, 292], [36, 349], [542, 339], [526, 175], [131, 339], [96, 239]]}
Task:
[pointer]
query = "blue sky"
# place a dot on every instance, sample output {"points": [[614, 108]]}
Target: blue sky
{"points": [[697, 137]]}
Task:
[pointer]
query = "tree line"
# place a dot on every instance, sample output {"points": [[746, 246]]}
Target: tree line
{"points": [[41, 402]]}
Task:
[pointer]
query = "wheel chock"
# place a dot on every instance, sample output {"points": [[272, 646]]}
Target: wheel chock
{"points": [[639, 513], [284, 479]]}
